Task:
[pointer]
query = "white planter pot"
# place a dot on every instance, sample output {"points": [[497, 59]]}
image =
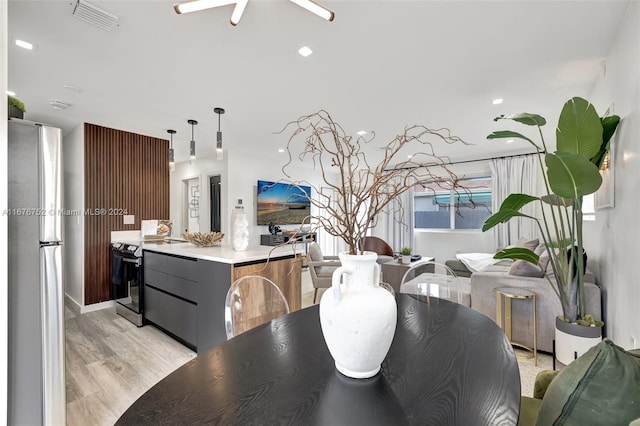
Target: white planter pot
{"points": [[573, 338], [406, 259], [358, 317]]}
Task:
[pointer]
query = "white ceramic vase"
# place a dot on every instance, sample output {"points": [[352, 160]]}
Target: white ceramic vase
{"points": [[239, 228], [358, 317]]}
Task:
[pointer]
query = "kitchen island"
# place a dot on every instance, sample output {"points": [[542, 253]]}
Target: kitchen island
{"points": [[185, 286]]}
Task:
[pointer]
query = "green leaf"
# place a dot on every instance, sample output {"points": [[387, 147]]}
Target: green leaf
{"points": [[524, 118], [508, 209], [609, 125], [579, 128], [517, 201], [508, 134], [571, 175], [518, 253], [554, 200], [501, 217], [560, 244]]}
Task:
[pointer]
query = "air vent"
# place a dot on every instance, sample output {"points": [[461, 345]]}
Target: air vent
{"points": [[95, 15]]}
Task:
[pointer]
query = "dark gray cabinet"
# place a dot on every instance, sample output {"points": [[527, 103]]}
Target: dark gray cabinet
{"points": [[171, 295]]}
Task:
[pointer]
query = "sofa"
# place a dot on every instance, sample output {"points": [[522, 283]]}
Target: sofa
{"points": [[548, 307]]}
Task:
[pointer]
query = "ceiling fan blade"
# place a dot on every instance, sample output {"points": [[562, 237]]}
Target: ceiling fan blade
{"points": [[315, 8], [238, 11], [197, 5]]}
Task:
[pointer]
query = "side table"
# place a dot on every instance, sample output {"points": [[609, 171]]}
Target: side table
{"points": [[510, 293], [393, 271]]}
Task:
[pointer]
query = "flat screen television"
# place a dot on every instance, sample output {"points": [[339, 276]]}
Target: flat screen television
{"points": [[282, 203]]}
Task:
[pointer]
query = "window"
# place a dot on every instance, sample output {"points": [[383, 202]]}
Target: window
{"points": [[588, 208], [437, 206]]}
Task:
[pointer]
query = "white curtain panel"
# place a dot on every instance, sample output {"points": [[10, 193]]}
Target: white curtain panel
{"points": [[514, 175], [329, 244], [399, 223]]}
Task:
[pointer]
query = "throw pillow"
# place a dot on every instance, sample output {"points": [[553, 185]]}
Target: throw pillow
{"points": [[602, 387], [530, 244], [522, 268]]}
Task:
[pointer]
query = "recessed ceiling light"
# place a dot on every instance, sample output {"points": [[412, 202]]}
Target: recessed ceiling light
{"points": [[10, 93], [305, 51], [24, 44], [509, 140], [361, 133], [73, 88], [497, 101], [281, 150], [56, 104]]}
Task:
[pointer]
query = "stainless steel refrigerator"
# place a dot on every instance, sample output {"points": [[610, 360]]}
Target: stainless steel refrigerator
{"points": [[36, 290]]}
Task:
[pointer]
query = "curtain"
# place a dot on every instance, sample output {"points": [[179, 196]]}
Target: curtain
{"points": [[514, 175], [399, 223], [329, 244]]}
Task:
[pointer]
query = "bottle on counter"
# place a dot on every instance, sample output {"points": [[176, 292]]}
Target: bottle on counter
{"points": [[239, 228]]}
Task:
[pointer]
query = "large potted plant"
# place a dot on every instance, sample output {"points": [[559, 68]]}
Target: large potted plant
{"points": [[358, 317], [571, 172]]}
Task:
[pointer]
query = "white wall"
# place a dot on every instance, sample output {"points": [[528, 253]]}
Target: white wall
{"points": [[244, 186], [612, 240], [73, 154], [200, 168]]}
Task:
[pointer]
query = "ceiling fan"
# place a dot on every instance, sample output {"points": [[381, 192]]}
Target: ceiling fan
{"points": [[197, 5]]}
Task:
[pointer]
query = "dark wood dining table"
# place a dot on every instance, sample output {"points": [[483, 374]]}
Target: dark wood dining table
{"points": [[448, 365]]}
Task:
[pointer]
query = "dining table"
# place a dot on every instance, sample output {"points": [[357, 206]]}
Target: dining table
{"points": [[447, 365]]}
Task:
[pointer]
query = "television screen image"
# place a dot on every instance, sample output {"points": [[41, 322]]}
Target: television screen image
{"points": [[282, 204]]}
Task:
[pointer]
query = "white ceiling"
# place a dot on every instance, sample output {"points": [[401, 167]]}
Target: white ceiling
{"points": [[380, 65]]}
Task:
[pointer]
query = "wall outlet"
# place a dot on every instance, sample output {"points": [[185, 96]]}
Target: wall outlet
{"points": [[129, 219]]}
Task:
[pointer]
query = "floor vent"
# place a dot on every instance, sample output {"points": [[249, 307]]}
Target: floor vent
{"points": [[95, 15]]}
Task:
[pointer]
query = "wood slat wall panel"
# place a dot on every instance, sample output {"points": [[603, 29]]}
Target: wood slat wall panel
{"points": [[124, 171]]}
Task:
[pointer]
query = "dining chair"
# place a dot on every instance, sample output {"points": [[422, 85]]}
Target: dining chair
{"points": [[320, 268], [379, 246], [432, 279], [252, 300]]}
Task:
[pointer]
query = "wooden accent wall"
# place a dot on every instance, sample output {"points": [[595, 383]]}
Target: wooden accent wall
{"points": [[125, 173]]}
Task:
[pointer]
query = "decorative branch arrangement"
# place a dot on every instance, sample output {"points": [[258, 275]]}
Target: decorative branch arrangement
{"points": [[363, 192]]}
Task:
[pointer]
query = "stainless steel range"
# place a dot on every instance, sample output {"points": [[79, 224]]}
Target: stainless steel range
{"points": [[126, 263]]}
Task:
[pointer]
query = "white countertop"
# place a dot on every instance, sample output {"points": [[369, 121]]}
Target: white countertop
{"points": [[223, 253]]}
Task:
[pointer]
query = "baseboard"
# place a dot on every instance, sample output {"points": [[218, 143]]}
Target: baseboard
{"points": [[78, 308], [97, 306], [72, 304]]}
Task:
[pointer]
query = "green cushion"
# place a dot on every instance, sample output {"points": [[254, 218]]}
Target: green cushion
{"points": [[543, 380], [529, 408], [601, 387]]}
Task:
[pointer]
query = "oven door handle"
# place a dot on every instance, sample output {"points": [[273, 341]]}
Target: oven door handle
{"points": [[129, 260]]}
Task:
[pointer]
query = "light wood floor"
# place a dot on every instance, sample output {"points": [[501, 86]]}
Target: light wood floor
{"points": [[110, 362]]}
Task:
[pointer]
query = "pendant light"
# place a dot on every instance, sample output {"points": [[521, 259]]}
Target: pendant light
{"points": [[219, 153], [172, 164], [192, 145]]}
